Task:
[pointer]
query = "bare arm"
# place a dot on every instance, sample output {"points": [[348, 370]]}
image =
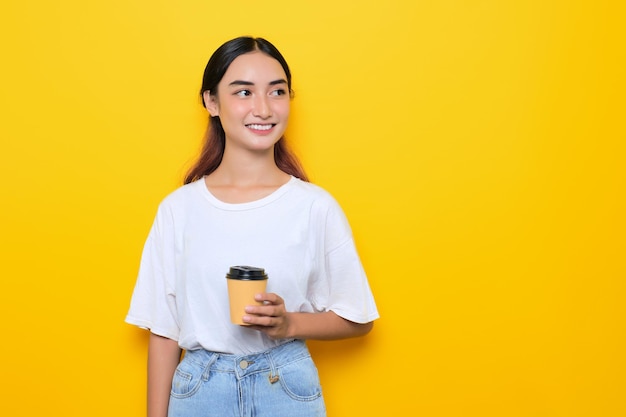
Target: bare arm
{"points": [[273, 320], [324, 326], [163, 357]]}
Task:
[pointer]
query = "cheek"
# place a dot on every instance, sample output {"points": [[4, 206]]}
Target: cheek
{"points": [[283, 108], [234, 110], [239, 107]]}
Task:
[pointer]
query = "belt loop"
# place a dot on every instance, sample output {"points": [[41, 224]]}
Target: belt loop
{"points": [[207, 368], [273, 375]]}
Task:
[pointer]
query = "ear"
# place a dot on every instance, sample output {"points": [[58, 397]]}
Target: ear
{"points": [[210, 102]]}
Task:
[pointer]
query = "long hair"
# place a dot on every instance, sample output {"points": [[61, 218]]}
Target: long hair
{"points": [[215, 137]]}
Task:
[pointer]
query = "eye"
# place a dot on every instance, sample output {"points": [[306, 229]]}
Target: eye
{"points": [[243, 93], [279, 92]]}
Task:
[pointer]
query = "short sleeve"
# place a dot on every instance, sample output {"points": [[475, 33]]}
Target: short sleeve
{"points": [[345, 287], [153, 303]]}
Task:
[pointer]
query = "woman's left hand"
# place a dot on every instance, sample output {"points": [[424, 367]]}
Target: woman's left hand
{"points": [[270, 318], [273, 319]]}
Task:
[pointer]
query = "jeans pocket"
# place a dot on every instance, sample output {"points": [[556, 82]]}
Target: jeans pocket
{"points": [[187, 379], [300, 379]]}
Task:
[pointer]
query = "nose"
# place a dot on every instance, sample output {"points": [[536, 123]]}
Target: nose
{"points": [[262, 107]]}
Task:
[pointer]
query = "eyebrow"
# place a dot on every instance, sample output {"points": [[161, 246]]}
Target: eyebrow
{"points": [[241, 82]]}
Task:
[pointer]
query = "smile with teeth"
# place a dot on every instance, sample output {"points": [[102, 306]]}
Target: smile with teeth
{"points": [[260, 127]]}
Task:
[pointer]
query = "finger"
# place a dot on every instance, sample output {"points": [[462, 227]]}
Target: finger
{"points": [[269, 297], [268, 310], [259, 322]]}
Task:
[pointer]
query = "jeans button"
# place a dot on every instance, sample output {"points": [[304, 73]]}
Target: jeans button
{"points": [[243, 364]]}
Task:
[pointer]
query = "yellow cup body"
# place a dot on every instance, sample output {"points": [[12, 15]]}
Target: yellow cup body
{"points": [[241, 294]]}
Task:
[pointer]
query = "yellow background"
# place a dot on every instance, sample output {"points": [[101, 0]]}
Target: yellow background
{"points": [[477, 148]]}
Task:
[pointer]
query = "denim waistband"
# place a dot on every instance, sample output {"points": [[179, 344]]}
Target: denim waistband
{"points": [[242, 365]]}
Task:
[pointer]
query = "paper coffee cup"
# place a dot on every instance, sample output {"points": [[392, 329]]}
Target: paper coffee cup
{"points": [[244, 282]]}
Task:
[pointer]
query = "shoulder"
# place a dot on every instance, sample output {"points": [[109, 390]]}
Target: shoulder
{"points": [[312, 192], [321, 202], [316, 197], [182, 197], [184, 193]]}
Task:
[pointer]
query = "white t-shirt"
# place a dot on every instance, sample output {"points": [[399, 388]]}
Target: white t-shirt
{"points": [[298, 234]]}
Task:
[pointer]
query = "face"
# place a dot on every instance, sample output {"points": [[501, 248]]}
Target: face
{"points": [[252, 102]]}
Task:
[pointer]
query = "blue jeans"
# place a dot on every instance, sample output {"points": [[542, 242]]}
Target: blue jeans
{"points": [[280, 382]]}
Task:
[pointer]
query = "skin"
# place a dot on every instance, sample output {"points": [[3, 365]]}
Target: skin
{"points": [[163, 357], [253, 103]]}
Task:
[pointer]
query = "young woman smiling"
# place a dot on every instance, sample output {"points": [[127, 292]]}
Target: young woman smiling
{"points": [[246, 201]]}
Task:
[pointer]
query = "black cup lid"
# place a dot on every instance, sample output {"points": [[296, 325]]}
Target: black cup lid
{"points": [[246, 272]]}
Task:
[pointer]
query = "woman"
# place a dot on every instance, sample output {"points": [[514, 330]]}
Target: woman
{"points": [[246, 201]]}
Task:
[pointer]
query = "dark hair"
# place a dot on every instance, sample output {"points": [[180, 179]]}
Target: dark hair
{"points": [[215, 138]]}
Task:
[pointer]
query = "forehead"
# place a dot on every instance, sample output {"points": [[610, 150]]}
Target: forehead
{"points": [[256, 67]]}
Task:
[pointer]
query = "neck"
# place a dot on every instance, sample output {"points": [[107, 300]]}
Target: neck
{"points": [[245, 168]]}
